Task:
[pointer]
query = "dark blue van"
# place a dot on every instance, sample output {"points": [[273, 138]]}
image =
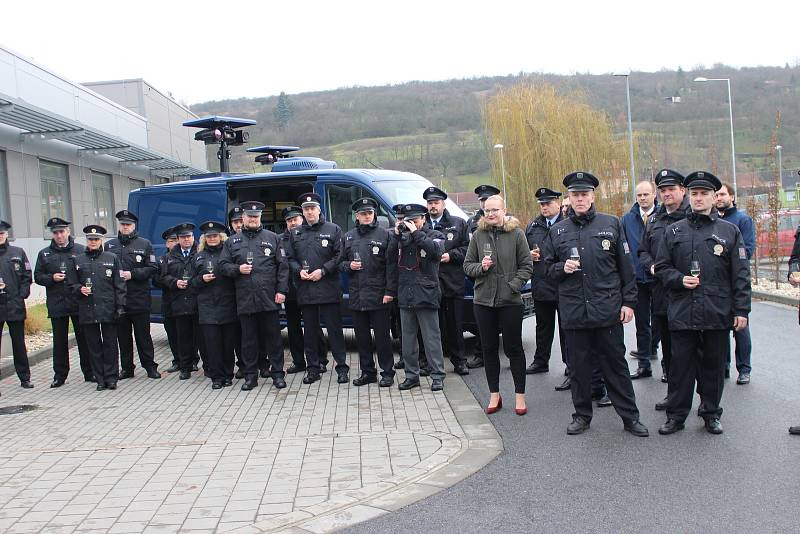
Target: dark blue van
{"points": [[210, 197]]}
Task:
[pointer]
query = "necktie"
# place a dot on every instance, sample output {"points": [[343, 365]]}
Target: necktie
{"points": [[644, 220], [185, 253], [549, 223]]}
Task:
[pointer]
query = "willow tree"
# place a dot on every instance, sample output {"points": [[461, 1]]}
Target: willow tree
{"points": [[546, 135]]}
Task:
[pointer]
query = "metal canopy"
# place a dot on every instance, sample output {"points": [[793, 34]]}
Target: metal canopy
{"points": [[42, 124], [215, 121]]}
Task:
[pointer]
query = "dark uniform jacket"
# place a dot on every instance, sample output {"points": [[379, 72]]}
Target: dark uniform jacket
{"points": [[418, 268], [61, 302], [256, 291], [593, 296], [175, 267], [158, 281], [135, 255], [543, 289], [16, 272], [216, 300], [456, 239], [502, 284], [472, 223], [651, 241], [795, 257], [320, 245], [378, 274], [724, 290], [283, 243], [108, 287]]}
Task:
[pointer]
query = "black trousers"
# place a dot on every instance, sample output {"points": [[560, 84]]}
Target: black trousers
{"points": [[508, 321], [604, 347], [313, 330], [61, 348], [294, 328], [662, 325], [101, 338], [546, 318], [237, 343], [261, 330], [130, 326], [220, 340], [188, 332], [700, 356], [364, 322], [451, 323], [16, 331], [646, 328], [172, 339]]}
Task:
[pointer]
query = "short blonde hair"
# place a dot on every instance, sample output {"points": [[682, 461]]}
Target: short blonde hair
{"points": [[222, 236]]}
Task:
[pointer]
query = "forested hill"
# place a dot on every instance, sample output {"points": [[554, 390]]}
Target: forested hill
{"points": [[434, 128]]}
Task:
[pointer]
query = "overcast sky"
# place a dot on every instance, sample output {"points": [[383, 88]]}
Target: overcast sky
{"points": [[183, 47]]}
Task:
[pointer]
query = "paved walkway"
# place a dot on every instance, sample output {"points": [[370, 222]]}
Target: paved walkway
{"points": [[168, 455]]}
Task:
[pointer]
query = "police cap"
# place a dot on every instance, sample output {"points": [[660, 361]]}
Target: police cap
{"points": [[667, 177], [413, 210], [434, 193], [544, 194], [485, 191], [185, 229], [291, 212], [235, 214], [94, 231], [212, 227], [702, 180], [580, 181], [252, 208], [57, 223], [309, 199], [126, 217], [169, 233], [4, 226], [364, 204]]}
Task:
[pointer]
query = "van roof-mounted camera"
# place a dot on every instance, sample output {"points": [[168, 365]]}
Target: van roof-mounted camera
{"points": [[224, 131]]}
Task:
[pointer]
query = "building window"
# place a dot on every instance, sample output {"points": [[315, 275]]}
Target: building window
{"points": [[103, 200], [134, 184], [55, 191], [160, 180]]}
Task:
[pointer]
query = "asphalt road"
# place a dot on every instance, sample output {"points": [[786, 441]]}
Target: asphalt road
{"points": [[746, 480]]}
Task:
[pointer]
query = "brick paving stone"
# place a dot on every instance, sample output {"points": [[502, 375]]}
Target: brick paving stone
{"points": [[166, 455]]}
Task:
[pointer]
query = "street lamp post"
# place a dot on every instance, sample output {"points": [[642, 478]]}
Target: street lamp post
{"points": [[630, 131], [499, 147], [779, 148], [730, 111]]}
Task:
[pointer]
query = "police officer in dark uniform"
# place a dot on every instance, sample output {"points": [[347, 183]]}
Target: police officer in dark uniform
{"points": [[216, 304], [253, 259], [100, 290], [587, 255], [15, 287], [177, 274], [170, 237], [703, 265], [54, 265], [235, 224], [545, 292], [673, 208], [138, 266], [419, 294], [451, 276], [369, 257], [314, 251], [483, 191]]}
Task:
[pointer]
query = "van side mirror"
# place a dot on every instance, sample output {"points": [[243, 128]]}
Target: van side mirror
{"points": [[383, 221]]}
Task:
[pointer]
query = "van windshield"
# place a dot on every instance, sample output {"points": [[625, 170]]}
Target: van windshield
{"points": [[410, 191]]}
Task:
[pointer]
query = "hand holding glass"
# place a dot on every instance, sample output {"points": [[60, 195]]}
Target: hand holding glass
{"points": [[694, 268], [575, 256], [88, 284], [249, 258]]}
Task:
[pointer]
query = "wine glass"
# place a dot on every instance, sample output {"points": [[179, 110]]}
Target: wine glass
{"points": [[249, 258], [306, 266], [694, 268], [487, 250], [186, 275], [210, 267], [357, 257], [2, 286], [574, 255], [535, 248], [63, 267], [88, 285]]}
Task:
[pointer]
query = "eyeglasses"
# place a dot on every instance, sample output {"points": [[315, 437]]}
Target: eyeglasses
{"points": [[492, 211]]}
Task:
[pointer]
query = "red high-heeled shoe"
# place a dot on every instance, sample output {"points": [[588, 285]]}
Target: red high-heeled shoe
{"points": [[521, 411], [492, 409]]}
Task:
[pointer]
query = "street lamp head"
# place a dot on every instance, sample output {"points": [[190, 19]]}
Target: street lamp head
{"points": [[626, 74], [700, 79], [778, 148], [498, 145]]}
